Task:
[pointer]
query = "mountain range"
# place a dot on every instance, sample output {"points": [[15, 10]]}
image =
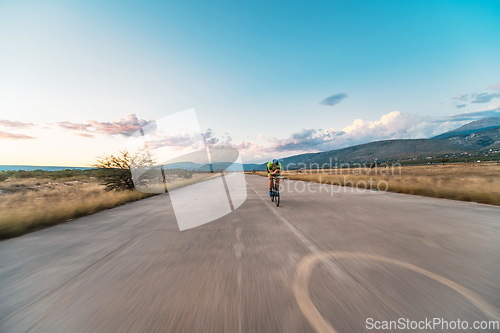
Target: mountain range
{"points": [[407, 149], [473, 127], [477, 136]]}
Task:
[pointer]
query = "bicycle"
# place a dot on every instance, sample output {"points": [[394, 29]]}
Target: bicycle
{"points": [[275, 192]]}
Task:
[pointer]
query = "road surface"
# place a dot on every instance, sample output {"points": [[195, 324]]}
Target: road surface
{"points": [[330, 259]]}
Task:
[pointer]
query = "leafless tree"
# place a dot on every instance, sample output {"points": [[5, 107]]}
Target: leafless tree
{"points": [[115, 170]]}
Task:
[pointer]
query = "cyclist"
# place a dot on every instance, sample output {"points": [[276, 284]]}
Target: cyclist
{"points": [[274, 168]]}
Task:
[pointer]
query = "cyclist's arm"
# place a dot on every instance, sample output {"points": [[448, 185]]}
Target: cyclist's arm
{"points": [[276, 171], [280, 168]]}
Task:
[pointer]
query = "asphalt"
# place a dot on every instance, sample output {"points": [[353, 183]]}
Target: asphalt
{"points": [[329, 259]]}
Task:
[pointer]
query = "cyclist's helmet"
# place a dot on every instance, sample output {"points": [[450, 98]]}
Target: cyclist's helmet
{"points": [[275, 162]]}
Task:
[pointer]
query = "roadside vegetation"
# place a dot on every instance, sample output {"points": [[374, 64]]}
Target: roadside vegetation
{"points": [[32, 204], [466, 182], [31, 200]]}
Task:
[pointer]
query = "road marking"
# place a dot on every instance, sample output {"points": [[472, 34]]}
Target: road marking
{"points": [[306, 265], [313, 316], [238, 249], [334, 268], [308, 308]]}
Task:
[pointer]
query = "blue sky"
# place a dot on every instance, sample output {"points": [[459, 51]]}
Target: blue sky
{"points": [[75, 76]]}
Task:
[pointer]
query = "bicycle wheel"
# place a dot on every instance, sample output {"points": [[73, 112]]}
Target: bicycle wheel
{"points": [[276, 191], [272, 190]]}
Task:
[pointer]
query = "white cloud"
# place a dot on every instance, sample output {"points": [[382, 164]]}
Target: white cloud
{"points": [[123, 126], [393, 125]]}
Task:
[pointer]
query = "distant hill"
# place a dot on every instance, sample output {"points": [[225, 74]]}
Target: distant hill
{"points": [[474, 137], [379, 150], [472, 127], [390, 150], [182, 165], [229, 166], [215, 166], [253, 166], [479, 140]]}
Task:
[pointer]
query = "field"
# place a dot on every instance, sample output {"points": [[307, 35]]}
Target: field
{"points": [[29, 203], [467, 182], [32, 200]]}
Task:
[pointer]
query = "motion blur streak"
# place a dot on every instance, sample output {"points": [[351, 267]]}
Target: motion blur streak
{"points": [[307, 264], [131, 269]]}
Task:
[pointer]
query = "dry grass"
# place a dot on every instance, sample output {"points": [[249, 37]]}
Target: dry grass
{"points": [[175, 183], [478, 183], [30, 204], [29, 209]]}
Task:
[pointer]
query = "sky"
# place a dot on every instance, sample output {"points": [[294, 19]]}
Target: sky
{"points": [[270, 78]]}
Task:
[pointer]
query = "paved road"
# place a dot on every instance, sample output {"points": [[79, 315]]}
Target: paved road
{"points": [[326, 261]]}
